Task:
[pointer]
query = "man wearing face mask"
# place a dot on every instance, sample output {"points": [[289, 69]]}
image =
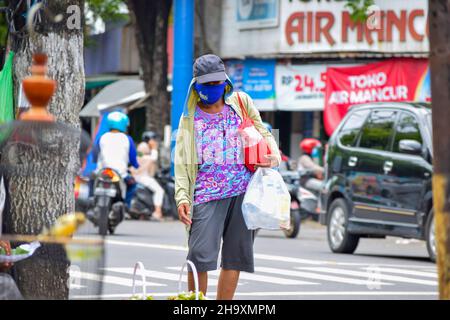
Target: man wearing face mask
{"points": [[211, 177]]}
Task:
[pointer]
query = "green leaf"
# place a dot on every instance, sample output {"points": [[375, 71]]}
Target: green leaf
{"points": [[18, 251], [358, 9]]}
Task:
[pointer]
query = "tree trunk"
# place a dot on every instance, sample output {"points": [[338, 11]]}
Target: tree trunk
{"points": [[44, 190], [440, 88], [150, 19]]}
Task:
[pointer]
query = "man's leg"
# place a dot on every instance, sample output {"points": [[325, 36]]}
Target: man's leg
{"points": [[237, 250], [228, 281], [202, 281]]}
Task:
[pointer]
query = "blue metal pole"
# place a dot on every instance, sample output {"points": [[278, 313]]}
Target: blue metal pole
{"points": [[183, 59]]}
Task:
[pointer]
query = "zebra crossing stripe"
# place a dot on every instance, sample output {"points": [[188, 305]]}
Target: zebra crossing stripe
{"points": [[406, 272], [273, 280], [261, 278], [111, 279], [306, 294], [316, 276], [374, 275], [158, 275], [267, 257]]}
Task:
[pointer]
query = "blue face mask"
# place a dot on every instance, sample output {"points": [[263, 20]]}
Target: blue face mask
{"points": [[210, 94]]}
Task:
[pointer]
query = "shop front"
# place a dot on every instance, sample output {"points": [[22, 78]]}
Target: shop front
{"points": [[283, 52]]}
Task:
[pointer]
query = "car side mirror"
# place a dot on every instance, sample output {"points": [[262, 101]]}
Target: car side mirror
{"points": [[410, 147]]}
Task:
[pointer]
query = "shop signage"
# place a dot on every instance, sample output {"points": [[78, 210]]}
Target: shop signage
{"points": [[255, 77], [301, 87], [392, 80], [324, 26], [253, 14], [392, 26]]}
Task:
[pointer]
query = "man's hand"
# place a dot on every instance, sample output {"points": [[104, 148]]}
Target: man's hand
{"points": [[7, 246], [271, 163], [184, 212]]}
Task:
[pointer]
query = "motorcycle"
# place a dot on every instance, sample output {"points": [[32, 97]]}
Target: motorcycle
{"points": [[308, 194], [108, 208], [291, 178], [142, 202]]}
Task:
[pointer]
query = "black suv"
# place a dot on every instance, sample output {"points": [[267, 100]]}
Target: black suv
{"points": [[378, 176]]}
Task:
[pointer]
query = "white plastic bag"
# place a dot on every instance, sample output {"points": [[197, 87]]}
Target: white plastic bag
{"points": [[30, 248], [267, 202]]}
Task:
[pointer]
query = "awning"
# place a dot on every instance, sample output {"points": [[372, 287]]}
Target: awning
{"points": [[118, 93], [124, 102], [99, 81]]}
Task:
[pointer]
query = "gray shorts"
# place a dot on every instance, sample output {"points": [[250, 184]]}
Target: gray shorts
{"points": [[212, 221]]}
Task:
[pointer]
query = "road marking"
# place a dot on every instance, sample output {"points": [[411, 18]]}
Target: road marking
{"points": [[275, 280], [269, 257], [316, 276], [289, 259], [111, 279], [158, 275], [260, 278], [403, 271], [372, 275], [279, 294], [147, 245], [339, 293]]}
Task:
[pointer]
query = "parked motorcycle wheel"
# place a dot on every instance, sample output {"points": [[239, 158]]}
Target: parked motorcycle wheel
{"points": [[111, 230], [103, 221], [293, 231]]}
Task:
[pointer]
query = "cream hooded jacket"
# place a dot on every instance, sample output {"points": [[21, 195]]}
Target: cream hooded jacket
{"points": [[185, 159]]}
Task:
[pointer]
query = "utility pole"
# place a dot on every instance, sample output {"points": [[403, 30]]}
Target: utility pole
{"points": [[183, 59], [439, 24]]}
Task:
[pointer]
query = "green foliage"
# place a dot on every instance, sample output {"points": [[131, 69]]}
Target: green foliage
{"points": [[3, 27], [107, 10], [14, 252], [358, 9], [137, 297], [187, 296], [3, 30]]}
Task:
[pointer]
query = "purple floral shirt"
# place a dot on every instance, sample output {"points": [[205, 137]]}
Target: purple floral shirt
{"points": [[222, 172]]}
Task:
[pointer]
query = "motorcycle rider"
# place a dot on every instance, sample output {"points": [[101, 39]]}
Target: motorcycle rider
{"points": [[306, 163], [116, 149], [148, 160]]}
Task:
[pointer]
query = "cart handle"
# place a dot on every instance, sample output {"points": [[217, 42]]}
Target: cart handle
{"points": [[194, 271], [139, 265]]}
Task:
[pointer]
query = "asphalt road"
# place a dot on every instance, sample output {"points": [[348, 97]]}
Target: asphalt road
{"points": [[301, 268]]}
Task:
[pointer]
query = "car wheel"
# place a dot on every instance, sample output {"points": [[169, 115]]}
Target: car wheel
{"points": [[430, 235], [339, 240]]}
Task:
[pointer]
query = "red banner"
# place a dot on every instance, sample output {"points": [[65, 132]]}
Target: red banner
{"points": [[391, 80]]}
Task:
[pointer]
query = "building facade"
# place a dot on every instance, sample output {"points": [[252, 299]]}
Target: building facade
{"points": [[280, 52]]}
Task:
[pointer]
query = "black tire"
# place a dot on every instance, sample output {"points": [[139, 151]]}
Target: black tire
{"points": [[103, 221], [293, 231], [133, 215], [429, 236], [111, 230], [348, 242]]}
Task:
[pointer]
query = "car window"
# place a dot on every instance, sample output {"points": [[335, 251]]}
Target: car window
{"points": [[351, 128], [377, 132], [407, 129]]}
